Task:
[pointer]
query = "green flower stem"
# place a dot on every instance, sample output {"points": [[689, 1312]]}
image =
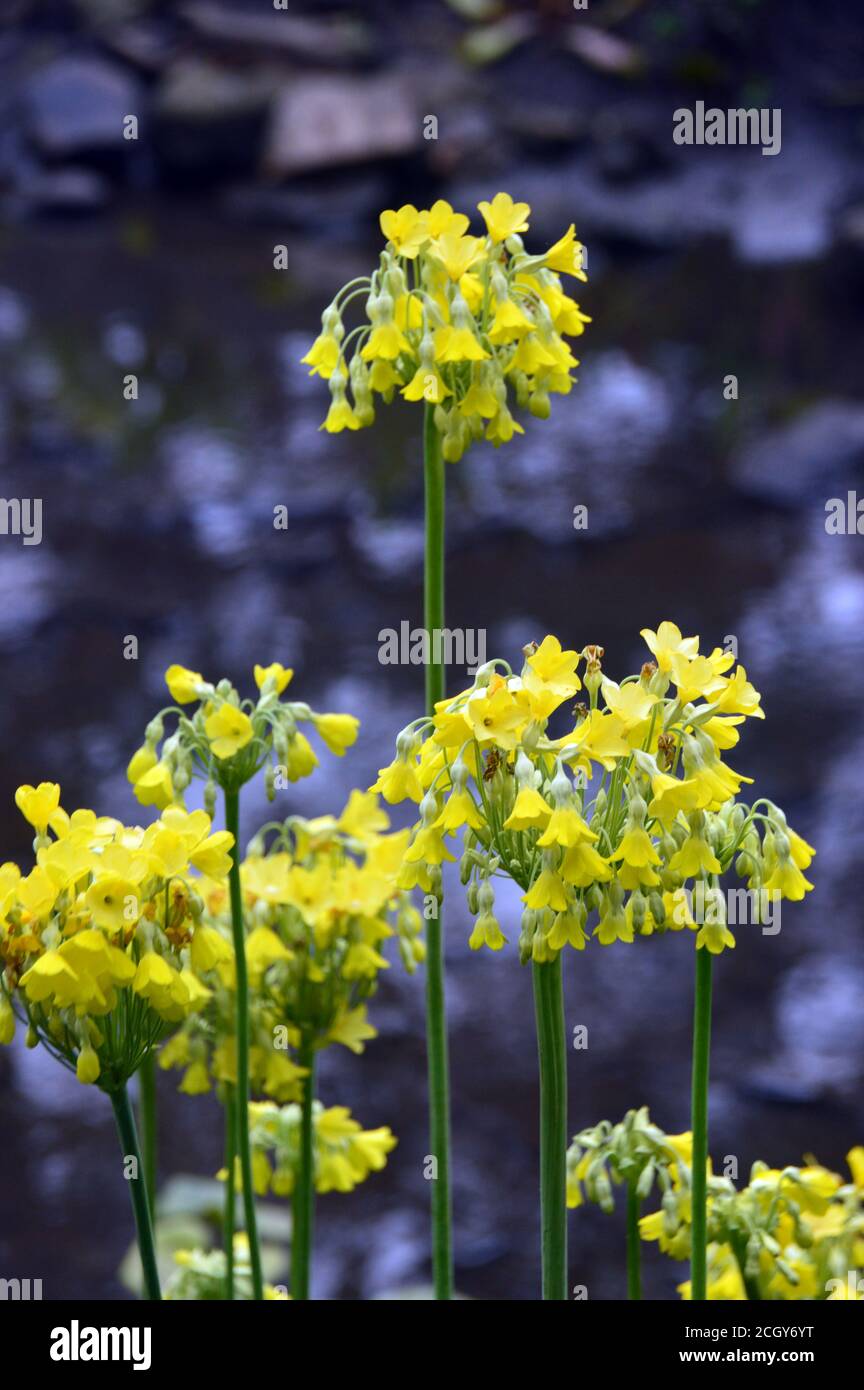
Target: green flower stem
{"points": [[634, 1246], [129, 1147], [436, 1009], [232, 823], [699, 1123], [552, 1057], [230, 1201], [303, 1198], [148, 1123]]}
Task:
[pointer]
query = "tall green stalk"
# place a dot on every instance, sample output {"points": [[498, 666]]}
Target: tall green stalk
{"points": [[232, 823], [699, 1124], [436, 1009], [634, 1246], [303, 1198], [552, 1057], [230, 1200], [130, 1148], [148, 1123]]}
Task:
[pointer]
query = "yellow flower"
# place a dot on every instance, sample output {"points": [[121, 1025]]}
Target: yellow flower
{"points": [[695, 857], [338, 731], [184, 685], [38, 804], [196, 1081], [340, 417], [113, 903], [503, 217], [213, 855], [582, 866], [567, 930], [529, 809], [276, 674], [228, 729], [426, 384], [458, 345], [323, 356], [398, 781], [566, 255], [155, 788], [352, 1029], [142, 760], [487, 932], [87, 1067], [457, 253], [441, 219], [551, 671], [406, 228], [546, 891], [636, 849], [566, 827], [668, 642], [788, 880]]}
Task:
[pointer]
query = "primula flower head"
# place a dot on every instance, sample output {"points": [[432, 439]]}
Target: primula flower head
{"points": [[470, 325], [97, 941], [227, 740], [631, 818]]}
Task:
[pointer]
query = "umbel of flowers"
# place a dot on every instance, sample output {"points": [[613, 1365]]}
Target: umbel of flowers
{"points": [[344, 1154], [791, 1233], [321, 901], [470, 325], [621, 826], [96, 943], [227, 741]]}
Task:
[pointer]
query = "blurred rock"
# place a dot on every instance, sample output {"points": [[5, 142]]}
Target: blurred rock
{"points": [[66, 192], [144, 44], [803, 460], [76, 106], [603, 51], [210, 120], [320, 122], [335, 39]]}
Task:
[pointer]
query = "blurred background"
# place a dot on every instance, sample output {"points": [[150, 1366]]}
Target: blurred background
{"points": [[261, 127]]}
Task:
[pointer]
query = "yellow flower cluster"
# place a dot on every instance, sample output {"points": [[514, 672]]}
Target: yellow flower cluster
{"points": [[97, 940], [344, 1153], [228, 740], [614, 816], [319, 904], [464, 323], [792, 1233], [321, 899]]}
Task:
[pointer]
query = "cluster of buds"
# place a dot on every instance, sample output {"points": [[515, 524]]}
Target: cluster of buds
{"points": [[634, 1153], [614, 817], [467, 324], [791, 1233], [344, 1154], [228, 740], [97, 941]]}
